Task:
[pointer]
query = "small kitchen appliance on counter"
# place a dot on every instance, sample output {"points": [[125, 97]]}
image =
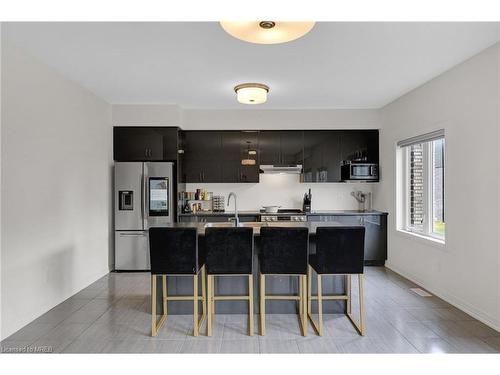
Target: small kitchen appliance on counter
{"points": [[306, 205]]}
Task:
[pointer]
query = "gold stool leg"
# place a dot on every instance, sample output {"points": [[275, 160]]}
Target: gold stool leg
{"points": [[213, 295], [209, 307], [309, 290], [203, 293], [195, 305], [361, 305], [262, 300], [250, 305], [301, 297], [153, 305], [155, 327], [164, 295], [320, 306], [360, 326], [348, 292], [304, 303]]}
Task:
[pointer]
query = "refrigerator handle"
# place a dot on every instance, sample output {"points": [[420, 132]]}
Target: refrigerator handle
{"points": [[143, 198]]}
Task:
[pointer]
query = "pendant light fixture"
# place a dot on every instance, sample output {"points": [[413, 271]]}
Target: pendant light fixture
{"points": [[267, 32], [251, 93]]}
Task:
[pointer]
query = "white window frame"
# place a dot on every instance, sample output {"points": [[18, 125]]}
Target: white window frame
{"points": [[404, 194]]}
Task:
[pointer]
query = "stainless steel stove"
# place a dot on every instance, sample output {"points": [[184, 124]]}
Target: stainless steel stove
{"points": [[285, 214]]}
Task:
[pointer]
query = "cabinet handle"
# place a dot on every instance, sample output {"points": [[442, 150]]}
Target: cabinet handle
{"points": [[203, 176], [146, 152]]}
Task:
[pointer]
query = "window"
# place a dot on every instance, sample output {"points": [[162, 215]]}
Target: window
{"points": [[422, 194]]}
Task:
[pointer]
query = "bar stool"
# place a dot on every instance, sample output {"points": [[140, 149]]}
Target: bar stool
{"points": [[339, 251], [174, 252], [229, 253], [284, 252]]}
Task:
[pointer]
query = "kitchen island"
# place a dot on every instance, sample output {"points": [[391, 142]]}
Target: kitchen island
{"points": [[180, 285], [375, 223]]}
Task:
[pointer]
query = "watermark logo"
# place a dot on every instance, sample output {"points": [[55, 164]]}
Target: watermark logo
{"points": [[27, 349]]}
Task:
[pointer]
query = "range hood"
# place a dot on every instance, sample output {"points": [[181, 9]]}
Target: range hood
{"points": [[281, 168]]}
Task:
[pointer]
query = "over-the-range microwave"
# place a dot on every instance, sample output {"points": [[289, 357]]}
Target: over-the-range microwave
{"points": [[359, 171]]}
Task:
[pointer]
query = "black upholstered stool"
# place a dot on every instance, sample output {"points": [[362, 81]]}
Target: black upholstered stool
{"points": [[229, 253], [284, 251], [339, 251], [174, 252]]}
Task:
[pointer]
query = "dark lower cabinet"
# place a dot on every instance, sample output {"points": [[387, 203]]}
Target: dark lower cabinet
{"points": [[375, 233], [216, 218]]}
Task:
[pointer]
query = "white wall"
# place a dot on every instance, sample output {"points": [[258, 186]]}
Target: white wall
{"points": [[286, 190], [220, 119], [280, 119], [56, 181], [146, 115], [465, 102]]}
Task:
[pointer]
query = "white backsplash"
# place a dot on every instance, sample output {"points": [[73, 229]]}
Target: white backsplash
{"points": [[286, 190]]}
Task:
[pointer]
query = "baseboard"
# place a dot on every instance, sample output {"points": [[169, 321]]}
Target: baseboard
{"points": [[450, 298]]}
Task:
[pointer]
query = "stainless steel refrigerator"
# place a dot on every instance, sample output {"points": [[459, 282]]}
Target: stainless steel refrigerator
{"points": [[143, 199]]}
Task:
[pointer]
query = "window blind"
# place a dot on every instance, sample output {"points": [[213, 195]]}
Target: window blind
{"points": [[432, 136]]}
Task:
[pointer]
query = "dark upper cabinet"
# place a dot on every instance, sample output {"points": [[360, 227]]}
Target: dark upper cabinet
{"points": [[292, 146], [201, 171], [202, 152], [231, 145], [322, 158], [281, 147], [332, 159], [236, 147], [314, 166], [360, 145], [269, 147], [145, 143], [202, 145], [216, 156]]}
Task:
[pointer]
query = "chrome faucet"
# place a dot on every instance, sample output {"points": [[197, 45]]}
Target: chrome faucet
{"points": [[236, 218]]}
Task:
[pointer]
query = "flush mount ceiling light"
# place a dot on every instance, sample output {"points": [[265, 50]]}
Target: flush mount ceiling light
{"points": [[251, 93], [267, 32]]}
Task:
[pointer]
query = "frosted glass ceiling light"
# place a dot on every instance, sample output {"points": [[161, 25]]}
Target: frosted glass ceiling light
{"points": [[267, 32], [251, 93]]}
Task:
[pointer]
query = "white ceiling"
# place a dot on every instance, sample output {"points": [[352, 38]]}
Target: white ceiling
{"points": [[196, 64]]}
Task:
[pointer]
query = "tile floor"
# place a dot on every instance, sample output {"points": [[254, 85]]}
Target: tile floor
{"points": [[113, 316]]}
